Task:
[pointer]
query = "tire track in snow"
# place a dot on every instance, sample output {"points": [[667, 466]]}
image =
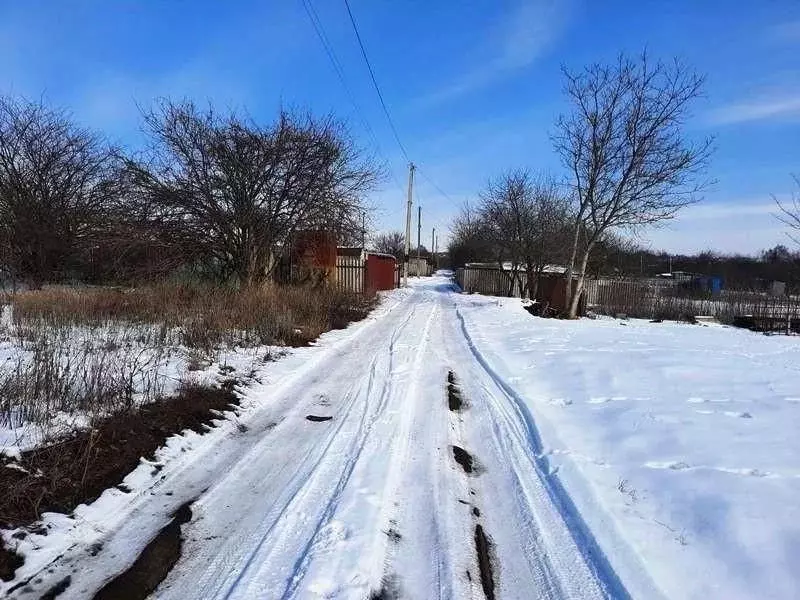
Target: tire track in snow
{"points": [[364, 430], [136, 520], [308, 487], [229, 569], [399, 450], [517, 435], [481, 557], [536, 571], [384, 479]]}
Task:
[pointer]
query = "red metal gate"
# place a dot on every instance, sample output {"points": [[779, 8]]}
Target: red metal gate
{"points": [[380, 272]]}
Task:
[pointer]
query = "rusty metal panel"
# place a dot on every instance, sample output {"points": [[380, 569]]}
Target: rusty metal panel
{"points": [[380, 272]]}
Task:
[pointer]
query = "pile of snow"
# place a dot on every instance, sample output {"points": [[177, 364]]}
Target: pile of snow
{"points": [[677, 442]]}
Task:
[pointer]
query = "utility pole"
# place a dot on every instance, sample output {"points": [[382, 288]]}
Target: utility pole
{"points": [[411, 168], [433, 248], [363, 230], [419, 233]]}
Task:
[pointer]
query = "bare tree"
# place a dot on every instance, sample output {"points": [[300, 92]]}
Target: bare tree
{"points": [[57, 181], [528, 219], [790, 212], [470, 239], [624, 146], [238, 191], [392, 242]]}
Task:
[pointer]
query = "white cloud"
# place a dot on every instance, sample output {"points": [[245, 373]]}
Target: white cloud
{"points": [[744, 227], [785, 106], [524, 35]]}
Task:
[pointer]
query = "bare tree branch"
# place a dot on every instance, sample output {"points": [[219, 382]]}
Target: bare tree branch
{"points": [[624, 145], [393, 242], [240, 191], [529, 222], [790, 213], [57, 183]]}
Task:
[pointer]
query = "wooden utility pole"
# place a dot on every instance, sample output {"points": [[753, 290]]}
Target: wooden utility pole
{"points": [[363, 230], [433, 248], [419, 233], [411, 168]]}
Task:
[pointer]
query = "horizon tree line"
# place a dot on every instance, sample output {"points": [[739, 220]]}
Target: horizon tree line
{"points": [[215, 193]]}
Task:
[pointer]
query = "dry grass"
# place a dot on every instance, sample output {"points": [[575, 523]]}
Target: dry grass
{"points": [[92, 352], [101, 354], [80, 371], [205, 316]]}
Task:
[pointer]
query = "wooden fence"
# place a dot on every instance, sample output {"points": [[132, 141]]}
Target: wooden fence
{"points": [[419, 267], [489, 281], [357, 274], [663, 299], [350, 273]]}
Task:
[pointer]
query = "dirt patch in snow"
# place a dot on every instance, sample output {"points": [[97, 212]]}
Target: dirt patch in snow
{"points": [[9, 562], [454, 400], [317, 419], [389, 590], [153, 564], [464, 459], [77, 469], [58, 589], [483, 548]]}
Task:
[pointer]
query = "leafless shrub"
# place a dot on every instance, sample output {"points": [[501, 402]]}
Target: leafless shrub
{"points": [[59, 372]]}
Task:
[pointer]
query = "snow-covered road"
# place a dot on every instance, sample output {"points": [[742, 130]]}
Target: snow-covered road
{"points": [[451, 446], [373, 499]]}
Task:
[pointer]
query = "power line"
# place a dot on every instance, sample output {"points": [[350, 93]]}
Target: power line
{"points": [[319, 29], [375, 82], [337, 66], [438, 189]]}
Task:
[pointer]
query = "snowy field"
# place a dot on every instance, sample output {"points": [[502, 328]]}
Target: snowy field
{"points": [[116, 359], [678, 443], [583, 460]]}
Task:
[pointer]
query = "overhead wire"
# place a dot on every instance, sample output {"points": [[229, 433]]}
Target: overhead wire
{"points": [[316, 22], [375, 81], [386, 109], [319, 29]]}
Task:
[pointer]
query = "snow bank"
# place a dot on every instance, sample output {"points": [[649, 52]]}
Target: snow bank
{"points": [[677, 442]]}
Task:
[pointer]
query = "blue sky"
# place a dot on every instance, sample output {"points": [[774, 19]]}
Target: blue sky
{"points": [[473, 87]]}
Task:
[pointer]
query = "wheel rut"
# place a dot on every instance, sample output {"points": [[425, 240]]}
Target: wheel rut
{"points": [[483, 552]]}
